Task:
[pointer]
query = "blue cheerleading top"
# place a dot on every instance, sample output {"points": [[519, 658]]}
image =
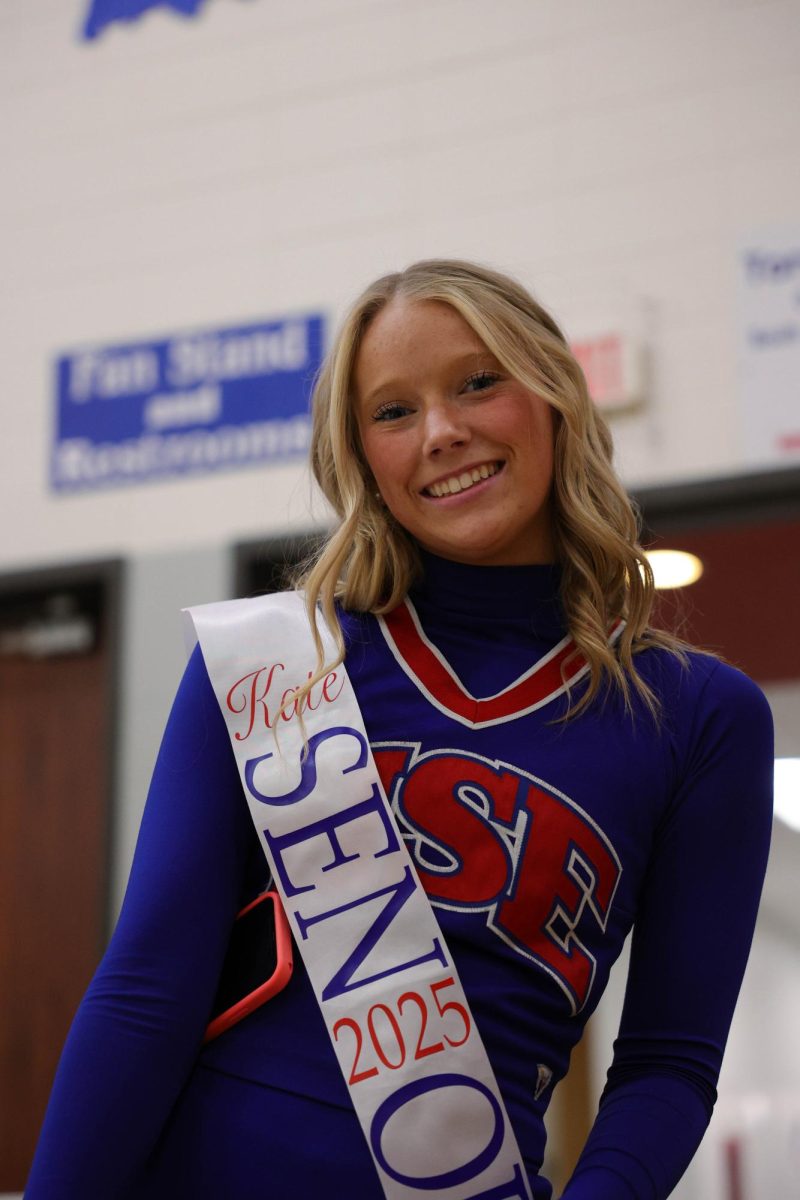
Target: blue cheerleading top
{"points": [[540, 843]]}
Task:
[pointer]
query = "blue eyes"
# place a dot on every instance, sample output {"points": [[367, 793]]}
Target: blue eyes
{"points": [[478, 382], [390, 412], [482, 380]]}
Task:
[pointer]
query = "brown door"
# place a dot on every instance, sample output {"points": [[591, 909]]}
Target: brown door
{"points": [[55, 731]]}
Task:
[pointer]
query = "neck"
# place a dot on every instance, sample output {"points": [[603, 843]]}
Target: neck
{"points": [[496, 593]]}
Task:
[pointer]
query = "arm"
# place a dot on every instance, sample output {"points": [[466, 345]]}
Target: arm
{"points": [[691, 941], [138, 1029]]}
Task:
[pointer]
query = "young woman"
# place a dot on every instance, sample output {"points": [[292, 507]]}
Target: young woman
{"points": [[560, 772]]}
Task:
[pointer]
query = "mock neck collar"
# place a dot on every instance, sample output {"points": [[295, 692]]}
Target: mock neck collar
{"points": [[490, 592]]}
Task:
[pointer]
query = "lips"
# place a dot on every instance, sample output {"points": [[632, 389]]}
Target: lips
{"points": [[462, 481]]}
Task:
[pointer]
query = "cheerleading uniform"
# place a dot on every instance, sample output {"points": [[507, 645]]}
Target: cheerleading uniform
{"points": [[540, 843]]}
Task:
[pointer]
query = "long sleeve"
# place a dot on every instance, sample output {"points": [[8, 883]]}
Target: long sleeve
{"points": [[139, 1026], [691, 941]]}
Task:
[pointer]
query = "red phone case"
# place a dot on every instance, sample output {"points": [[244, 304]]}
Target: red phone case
{"points": [[277, 980]]}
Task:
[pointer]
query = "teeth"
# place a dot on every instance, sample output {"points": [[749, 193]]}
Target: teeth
{"points": [[460, 483]]}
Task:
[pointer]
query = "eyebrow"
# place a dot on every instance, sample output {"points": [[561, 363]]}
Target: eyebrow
{"points": [[471, 358]]}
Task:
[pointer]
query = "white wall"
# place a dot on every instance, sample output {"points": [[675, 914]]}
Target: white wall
{"points": [[269, 157]]}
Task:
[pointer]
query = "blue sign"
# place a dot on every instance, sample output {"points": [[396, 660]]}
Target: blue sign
{"points": [[194, 403], [103, 12]]}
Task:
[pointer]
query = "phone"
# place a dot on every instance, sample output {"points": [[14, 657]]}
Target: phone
{"points": [[258, 963]]}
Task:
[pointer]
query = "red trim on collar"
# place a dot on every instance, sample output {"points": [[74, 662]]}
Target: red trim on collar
{"points": [[434, 676]]}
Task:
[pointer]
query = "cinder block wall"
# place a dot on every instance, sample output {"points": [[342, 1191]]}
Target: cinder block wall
{"points": [[264, 158]]}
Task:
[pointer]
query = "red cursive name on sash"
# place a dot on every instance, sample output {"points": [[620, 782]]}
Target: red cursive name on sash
{"points": [[257, 691]]}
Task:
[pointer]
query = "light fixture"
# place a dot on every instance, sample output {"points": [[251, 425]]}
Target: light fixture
{"points": [[674, 568], [787, 791]]}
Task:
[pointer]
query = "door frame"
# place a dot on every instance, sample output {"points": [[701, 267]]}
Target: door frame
{"points": [[752, 498]]}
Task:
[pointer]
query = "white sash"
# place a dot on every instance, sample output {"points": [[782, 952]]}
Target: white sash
{"points": [[416, 1068]]}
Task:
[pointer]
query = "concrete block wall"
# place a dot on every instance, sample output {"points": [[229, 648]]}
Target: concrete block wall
{"points": [[267, 157]]}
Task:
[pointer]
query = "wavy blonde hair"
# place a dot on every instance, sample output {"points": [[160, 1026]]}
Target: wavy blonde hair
{"points": [[369, 562]]}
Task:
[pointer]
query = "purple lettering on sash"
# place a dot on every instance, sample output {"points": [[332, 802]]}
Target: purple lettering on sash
{"points": [[328, 827], [308, 766], [399, 892], [512, 1189], [418, 1087]]}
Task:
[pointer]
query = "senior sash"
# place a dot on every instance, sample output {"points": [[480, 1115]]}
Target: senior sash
{"points": [[416, 1068]]}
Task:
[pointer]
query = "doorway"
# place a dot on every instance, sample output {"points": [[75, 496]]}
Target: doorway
{"points": [[59, 643]]}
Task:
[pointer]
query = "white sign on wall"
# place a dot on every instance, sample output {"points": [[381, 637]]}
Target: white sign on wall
{"points": [[769, 274]]}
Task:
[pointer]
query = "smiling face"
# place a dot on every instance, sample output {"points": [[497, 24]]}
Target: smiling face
{"points": [[461, 452]]}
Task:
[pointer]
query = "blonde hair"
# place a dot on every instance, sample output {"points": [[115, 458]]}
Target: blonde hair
{"points": [[369, 562]]}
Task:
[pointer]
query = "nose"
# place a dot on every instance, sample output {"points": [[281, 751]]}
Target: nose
{"points": [[445, 428]]}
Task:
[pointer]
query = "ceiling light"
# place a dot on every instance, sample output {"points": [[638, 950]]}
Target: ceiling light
{"points": [[674, 568], [787, 791]]}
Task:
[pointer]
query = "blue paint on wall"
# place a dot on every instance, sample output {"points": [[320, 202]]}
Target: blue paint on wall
{"points": [[104, 12]]}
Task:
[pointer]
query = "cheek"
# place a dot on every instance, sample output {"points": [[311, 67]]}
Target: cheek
{"points": [[373, 455], [368, 448], [385, 459], [542, 430], [528, 422]]}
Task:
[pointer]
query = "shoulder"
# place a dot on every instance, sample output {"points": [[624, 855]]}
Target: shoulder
{"points": [[195, 711], [706, 703], [723, 686], [358, 628], [731, 713], [716, 720], [724, 693], [700, 683]]}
